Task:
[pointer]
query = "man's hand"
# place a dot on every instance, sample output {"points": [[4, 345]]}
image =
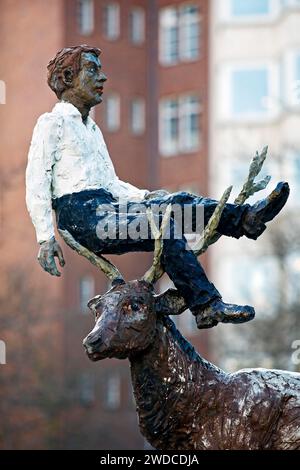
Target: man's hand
{"points": [[48, 251], [158, 193]]}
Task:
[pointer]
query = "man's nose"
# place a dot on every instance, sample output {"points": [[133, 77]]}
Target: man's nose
{"points": [[102, 77]]}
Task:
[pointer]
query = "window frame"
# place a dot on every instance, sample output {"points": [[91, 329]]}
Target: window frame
{"points": [[83, 299], [113, 392], [225, 95], [162, 44], [225, 14], [84, 17], [291, 82], [198, 20], [141, 119], [177, 147], [114, 127], [141, 15], [181, 55], [114, 34]]}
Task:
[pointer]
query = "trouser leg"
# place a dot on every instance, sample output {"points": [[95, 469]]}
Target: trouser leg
{"points": [[180, 264], [231, 219]]}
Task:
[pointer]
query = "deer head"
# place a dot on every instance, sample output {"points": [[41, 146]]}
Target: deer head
{"points": [[125, 321], [126, 314]]}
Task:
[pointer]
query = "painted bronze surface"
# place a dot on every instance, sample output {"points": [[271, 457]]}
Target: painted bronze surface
{"points": [[184, 401]]}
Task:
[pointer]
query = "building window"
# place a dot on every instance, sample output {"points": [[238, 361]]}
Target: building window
{"points": [[112, 112], [250, 10], [137, 25], [291, 166], [179, 34], [189, 114], [137, 116], [189, 32], [113, 392], [86, 16], [169, 127], [252, 7], [86, 292], [291, 3], [169, 36], [112, 21], [292, 78], [249, 91], [179, 128], [86, 389]]}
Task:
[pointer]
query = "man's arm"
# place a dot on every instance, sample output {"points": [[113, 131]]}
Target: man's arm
{"points": [[41, 158]]}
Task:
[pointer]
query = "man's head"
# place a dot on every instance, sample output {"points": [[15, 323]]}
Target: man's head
{"points": [[76, 72]]}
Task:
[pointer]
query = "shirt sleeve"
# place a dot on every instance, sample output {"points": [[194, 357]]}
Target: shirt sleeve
{"points": [[129, 190], [41, 157]]}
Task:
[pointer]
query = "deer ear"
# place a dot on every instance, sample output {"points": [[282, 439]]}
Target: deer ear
{"points": [[169, 302]]}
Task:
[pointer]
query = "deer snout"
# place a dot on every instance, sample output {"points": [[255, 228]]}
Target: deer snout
{"points": [[93, 342]]}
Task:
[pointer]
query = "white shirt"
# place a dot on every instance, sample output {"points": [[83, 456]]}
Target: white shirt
{"points": [[67, 156]]}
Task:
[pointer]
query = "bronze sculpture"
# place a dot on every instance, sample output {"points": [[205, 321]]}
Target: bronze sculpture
{"points": [[73, 174], [183, 401], [69, 170]]}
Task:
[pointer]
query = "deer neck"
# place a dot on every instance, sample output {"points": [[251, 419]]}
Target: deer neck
{"points": [[167, 378]]}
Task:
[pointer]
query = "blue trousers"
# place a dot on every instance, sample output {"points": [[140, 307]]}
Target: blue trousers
{"points": [[80, 213]]}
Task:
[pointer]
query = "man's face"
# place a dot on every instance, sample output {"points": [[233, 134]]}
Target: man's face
{"points": [[88, 85]]}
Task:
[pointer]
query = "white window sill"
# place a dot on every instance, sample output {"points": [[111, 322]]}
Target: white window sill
{"points": [[179, 152]]}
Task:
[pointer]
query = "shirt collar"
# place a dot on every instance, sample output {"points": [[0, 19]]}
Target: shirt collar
{"points": [[66, 108]]}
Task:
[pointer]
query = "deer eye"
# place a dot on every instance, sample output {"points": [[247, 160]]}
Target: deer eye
{"points": [[135, 306]]}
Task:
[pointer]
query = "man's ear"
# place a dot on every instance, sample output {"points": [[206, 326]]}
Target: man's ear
{"points": [[68, 76]]}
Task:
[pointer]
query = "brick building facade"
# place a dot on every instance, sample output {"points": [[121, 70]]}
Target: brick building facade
{"points": [[155, 122]]}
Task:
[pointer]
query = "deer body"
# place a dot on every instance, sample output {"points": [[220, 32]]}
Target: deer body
{"points": [[185, 402]]}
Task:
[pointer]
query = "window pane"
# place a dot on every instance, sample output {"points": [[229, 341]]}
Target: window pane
{"points": [[189, 123], [250, 7], [296, 82], [169, 33], [169, 127], [138, 116], [297, 67], [113, 392], [86, 389], [189, 32], [112, 21], [137, 26], [112, 112], [249, 91], [86, 292], [292, 175], [86, 16]]}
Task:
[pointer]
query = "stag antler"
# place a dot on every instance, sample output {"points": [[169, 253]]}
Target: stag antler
{"points": [[108, 268], [250, 187], [170, 301], [156, 271]]}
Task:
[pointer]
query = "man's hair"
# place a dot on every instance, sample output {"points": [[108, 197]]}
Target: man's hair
{"points": [[67, 58]]}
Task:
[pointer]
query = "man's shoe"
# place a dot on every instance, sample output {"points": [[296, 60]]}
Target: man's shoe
{"points": [[218, 311], [265, 210]]}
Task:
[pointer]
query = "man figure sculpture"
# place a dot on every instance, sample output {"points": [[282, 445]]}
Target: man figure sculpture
{"points": [[70, 170]]}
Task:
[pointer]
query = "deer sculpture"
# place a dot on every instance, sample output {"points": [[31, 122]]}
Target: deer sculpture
{"points": [[183, 401]]}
